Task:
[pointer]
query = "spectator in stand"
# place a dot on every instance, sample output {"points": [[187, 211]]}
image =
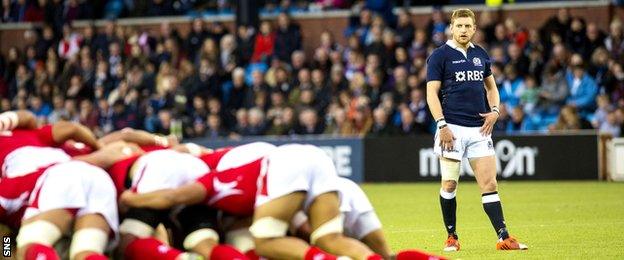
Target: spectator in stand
{"points": [[615, 41], [337, 125], [264, 43], [569, 119], [215, 128], [405, 29], [614, 83], [40, 109], [583, 90], [553, 91], [196, 37], [518, 59], [362, 121], [501, 37], [516, 34], [255, 123], [519, 122], [88, 116], [381, 125], [408, 125], [611, 125], [595, 38], [287, 37], [228, 57], [436, 27], [283, 122], [529, 96], [418, 105], [556, 25], [576, 37], [245, 43], [512, 88], [309, 124], [599, 67], [238, 90], [600, 116]]}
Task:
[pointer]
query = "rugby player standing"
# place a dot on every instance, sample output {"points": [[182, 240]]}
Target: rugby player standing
{"points": [[459, 82]]}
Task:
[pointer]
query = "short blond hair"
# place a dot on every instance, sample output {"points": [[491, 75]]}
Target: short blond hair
{"points": [[457, 13]]}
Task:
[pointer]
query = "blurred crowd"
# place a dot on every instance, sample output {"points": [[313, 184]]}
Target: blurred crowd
{"points": [[215, 83], [60, 11]]}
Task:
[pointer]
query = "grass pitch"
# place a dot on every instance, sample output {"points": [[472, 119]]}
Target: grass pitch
{"points": [[557, 220]]}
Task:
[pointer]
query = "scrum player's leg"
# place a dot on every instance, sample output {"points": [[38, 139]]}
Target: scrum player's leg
{"points": [[97, 220], [39, 233], [199, 233]]}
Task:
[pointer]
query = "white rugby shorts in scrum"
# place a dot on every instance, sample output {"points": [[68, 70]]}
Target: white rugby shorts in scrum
{"points": [[296, 167], [75, 185], [244, 154], [166, 169], [359, 217]]}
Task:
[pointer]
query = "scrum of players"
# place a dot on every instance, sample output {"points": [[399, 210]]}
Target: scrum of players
{"points": [[135, 195]]}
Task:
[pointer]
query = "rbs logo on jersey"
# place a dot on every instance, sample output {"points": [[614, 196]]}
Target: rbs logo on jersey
{"points": [[471, 75]]}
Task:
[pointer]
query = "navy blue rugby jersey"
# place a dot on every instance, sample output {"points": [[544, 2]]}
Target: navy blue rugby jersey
{"points": [[462, 74]]}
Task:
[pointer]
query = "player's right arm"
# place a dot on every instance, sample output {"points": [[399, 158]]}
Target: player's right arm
{"points": [[188, 194], [433, 101], [435, 75]]}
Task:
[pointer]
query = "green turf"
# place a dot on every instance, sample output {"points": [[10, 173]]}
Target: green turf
{"points": [[557, 220]]}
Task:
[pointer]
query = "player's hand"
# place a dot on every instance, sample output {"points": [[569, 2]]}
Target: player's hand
{"points": [[127, 198], [446, 139], [488, 125]]}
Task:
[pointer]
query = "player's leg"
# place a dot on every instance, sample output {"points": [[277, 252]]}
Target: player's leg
{"points": [[91, 233], [199, 233], [376, 240], [270, 225], [485, 173], [38, 233], [326, 220], [450, 163], [237, 233], [98, 220], [47, 216], [449, 169]]}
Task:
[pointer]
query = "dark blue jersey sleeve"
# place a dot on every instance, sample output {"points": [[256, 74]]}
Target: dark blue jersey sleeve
{"points": [[435, 65], [487, 71]]}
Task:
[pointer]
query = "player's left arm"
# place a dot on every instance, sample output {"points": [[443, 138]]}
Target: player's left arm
{"points": [[494, 101]]}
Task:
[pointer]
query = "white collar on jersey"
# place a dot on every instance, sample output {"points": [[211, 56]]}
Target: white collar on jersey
{"points": [[452, 44]]}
